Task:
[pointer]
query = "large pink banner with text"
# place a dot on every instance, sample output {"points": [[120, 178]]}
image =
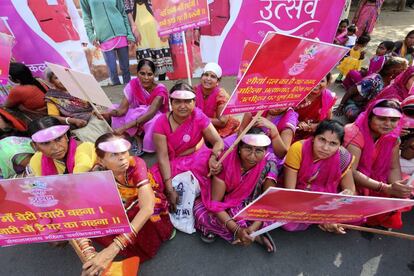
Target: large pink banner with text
{"points": [[252, 19], [6, 44], [278, 204], [174, 16], [284, 70], [61, 207]]}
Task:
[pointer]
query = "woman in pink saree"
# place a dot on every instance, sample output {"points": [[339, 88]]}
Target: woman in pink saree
{"points": [[179, 139], [399, 89], [246, 175], [317, 106], [320, 164], [374, 141], [144, 101], [366, 16], [211, 99]]}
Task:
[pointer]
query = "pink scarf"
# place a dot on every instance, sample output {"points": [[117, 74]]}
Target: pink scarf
{"points": [[141, 96], [397, 89], [375, 64], [209, 105], [238, 187], [377, 168], [188, 134], [48, 165], [325, 173], [328, 100]]}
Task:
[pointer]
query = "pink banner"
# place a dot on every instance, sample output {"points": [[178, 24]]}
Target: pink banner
{"points": [[278, 204], [249, 50], [252, 19], [61, 207], [6, 45], [174, 16], [283, 78]]}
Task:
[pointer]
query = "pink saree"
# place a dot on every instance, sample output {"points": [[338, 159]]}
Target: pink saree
{"points": [[397, 89], [185, 137], [139, 101]]}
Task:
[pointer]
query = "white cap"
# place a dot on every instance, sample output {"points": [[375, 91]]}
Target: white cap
{"points": [[213, 67]]}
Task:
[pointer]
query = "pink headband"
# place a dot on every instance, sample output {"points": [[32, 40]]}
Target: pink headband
{"points": [[256, 140], [50, 133], [387, 112], [115, 145], [182, 95]]}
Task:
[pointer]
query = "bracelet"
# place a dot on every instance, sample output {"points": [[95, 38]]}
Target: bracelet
{"points": [[235, 232], [118, 244], [134, 230], [67, 120], [227, 221], [381, 187]]}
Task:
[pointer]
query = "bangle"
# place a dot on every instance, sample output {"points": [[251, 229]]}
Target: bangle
{"points": [[119, 244], [235, 232], [114, 112], [227, 221], [381, 187], [67, 120]]}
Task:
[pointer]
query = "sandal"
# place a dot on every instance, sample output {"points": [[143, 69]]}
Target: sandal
{"points": [[261, 241], [208, 238], [136, 147], [173, 233]]}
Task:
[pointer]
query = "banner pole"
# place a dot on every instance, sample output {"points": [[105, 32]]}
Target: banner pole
{"points": [[78, 251], [377, 231], [87, 96], [187, 60], [248, 127]]}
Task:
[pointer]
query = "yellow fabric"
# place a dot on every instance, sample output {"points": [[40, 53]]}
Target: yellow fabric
{"points": [[85, 158], [352, 62], [52, 109], [294, 156], [147, 26]]}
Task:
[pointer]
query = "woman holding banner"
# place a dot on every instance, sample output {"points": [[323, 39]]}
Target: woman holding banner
{"points": [[212, 99], [143, 102], [320, 164], [146, 211], [72, 111], [374, 141], [316, 107], [179, 141], [246, 174], [56, 151]]}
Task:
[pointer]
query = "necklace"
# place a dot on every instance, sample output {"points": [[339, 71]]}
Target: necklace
{"points": [[172, 115]]}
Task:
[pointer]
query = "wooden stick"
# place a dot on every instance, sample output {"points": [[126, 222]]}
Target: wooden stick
{"points": [[87, 96], [187, 60], [78, 250], [378, 231], [248, 127]]}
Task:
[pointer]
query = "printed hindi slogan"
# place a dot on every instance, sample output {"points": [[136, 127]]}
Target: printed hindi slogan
{"points": [[285, 205], [174, 16], [61, 207], [282, 73]]}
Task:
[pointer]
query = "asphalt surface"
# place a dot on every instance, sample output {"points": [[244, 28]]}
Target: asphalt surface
{"points": [[311, 252]]}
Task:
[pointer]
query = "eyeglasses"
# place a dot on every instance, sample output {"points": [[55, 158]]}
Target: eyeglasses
{"points": [[258, 152]]}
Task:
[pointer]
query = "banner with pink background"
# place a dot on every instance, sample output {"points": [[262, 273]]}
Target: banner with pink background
{"points": [[60, 207], [6, 44], [252, 19], [282, 73], [278, 204], [174, 16]]}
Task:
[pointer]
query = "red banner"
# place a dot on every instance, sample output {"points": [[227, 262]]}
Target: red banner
{"points": [[60, 207], [278, 204], [174, 16], [282, 73]]}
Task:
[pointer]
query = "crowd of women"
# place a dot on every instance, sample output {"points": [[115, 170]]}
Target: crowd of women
{"points": [[44, 130]]}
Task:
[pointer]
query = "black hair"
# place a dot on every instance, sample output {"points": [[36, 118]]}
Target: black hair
{"points": [[328, 78], [387, 103], [21, 73], [253, 130], [409, 33], [363, 39], [344, 21], [181, 85], [352, 28], [390, 64], [333, 126], [389, 45], [42, 123], [147, 62]]}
